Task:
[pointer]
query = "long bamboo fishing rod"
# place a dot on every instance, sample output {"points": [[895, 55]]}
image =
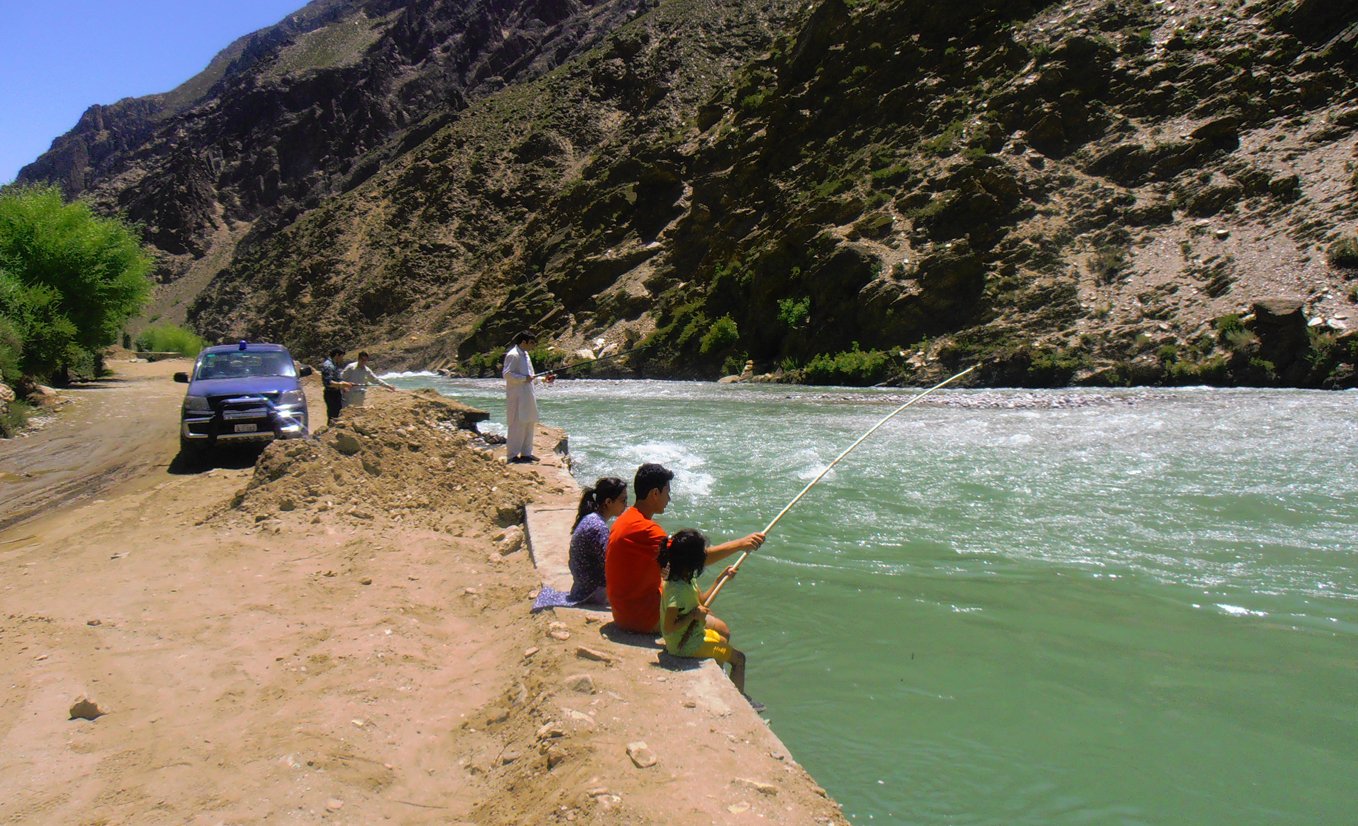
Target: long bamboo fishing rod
{"points": [[724, 578]]}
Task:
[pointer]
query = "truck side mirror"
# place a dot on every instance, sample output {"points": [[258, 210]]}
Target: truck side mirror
{"points": [[182, 378], [305, 371]]}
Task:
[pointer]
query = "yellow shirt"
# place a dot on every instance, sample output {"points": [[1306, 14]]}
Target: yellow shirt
{"points": [[684, 596]]}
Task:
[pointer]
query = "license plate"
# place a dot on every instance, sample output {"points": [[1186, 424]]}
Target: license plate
{"points": [[247, 428]]}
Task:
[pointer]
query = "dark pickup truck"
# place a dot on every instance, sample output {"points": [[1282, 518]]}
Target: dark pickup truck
{"points": [[242, 393]]}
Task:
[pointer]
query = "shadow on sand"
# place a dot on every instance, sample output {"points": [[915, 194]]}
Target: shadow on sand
{"points": [[233, 457]]}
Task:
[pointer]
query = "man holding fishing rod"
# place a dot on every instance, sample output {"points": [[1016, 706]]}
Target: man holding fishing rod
{"points": [[521, 406], [632, 573]]}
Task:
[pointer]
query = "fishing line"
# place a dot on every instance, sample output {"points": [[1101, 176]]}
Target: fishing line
{"points": [[725, 577], [575, 364]]}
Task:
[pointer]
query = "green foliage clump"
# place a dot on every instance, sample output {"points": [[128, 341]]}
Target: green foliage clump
{"points": [[1055, 366], [482, 363], [720, 337], [1265, 367], [1213, 370], [69, 279], [734, 364], [1343, 252], [945, 142], [545, 357], [853, 367], [14, 418], [887, 175], [11, 350], [1108, 263], [794, 312], [170, 338], [1227, 324]]}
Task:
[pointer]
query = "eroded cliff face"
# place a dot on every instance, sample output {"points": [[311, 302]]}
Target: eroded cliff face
{"points": [[1088, 191]]}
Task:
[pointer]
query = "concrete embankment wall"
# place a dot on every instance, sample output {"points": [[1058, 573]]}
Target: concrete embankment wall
{"points": [[714, 717]]}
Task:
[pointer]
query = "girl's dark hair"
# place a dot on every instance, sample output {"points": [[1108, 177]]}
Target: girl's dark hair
{"points": [[605, 488], [685, 554]]}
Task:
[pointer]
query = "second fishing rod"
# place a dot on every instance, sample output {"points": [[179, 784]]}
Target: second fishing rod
{"points": [[582, 362]]}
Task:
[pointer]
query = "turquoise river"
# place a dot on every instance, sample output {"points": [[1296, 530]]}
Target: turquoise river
{"points": [[1024, 607]]}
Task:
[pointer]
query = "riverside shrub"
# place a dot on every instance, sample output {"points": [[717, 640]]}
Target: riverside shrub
{"points": [[170, 338], [853, 367]]}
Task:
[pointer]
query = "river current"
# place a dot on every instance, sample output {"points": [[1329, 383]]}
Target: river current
{"points": [[1024, 607]]}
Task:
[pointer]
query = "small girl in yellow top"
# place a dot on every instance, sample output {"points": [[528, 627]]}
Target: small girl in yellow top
{"points": [[683, 614]]}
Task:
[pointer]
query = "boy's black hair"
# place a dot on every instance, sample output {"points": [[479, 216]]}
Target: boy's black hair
{"points": [[650, 477], [606, 488], [336, 352], [522, 338], [684, 554], [363, 354]]}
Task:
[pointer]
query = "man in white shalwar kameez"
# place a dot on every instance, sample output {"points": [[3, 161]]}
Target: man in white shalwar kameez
{"points": [[521, 406]]}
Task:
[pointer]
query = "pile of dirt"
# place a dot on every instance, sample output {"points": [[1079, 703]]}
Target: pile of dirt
{"points": [[413, 458]]}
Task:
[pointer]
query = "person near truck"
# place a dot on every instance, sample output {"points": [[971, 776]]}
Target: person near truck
{"points": [[359, 375], [333, 384]]}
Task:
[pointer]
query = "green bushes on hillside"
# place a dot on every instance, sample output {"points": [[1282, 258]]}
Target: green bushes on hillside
{"points": [[170, 338], [721, 336], [69, 279], [853, 367]]}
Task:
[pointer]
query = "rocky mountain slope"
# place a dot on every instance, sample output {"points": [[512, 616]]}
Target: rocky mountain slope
{"points": [[1098, 191]]}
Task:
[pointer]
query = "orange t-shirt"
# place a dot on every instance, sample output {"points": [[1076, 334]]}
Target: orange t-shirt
{"points": [[632, 572]]}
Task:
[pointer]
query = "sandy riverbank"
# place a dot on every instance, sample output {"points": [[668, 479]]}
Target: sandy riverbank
{"points": [[336, 634]]}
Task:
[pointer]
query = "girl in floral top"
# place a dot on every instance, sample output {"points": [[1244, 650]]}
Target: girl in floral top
{"points": [[589, 538]]}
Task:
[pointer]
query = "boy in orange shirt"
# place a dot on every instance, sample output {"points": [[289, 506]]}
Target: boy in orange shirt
{"points": [[631, 567]]}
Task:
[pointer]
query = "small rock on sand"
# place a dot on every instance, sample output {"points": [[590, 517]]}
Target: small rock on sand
{"points": [[582, 683], [641, 754], [85, 709], [758, 785], [590, 654]]}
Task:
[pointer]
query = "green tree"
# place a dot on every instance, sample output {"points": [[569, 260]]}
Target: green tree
{"points": [[721, 336], [69, 279]]}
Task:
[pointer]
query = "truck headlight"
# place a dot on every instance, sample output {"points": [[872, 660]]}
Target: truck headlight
{"points": [[196, 404]]}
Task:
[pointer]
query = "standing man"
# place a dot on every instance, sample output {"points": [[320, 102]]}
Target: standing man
{"points": [[334, 386], [631, 564], [359, 375], [521, 406]]}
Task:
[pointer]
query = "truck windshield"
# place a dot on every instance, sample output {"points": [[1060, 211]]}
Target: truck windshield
{"points": [[239, 364]]}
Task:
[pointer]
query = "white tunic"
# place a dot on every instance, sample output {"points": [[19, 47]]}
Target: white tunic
{"points": [[521, 406]]}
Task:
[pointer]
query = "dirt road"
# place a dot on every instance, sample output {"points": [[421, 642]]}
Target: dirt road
{"points": [[113, 430], [340, 635]]}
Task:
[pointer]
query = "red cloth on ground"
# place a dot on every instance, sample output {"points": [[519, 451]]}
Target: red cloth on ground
{"points": [[632, 572]]}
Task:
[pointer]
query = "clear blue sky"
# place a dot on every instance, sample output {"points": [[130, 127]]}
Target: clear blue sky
{"points": [[59, 57]]}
